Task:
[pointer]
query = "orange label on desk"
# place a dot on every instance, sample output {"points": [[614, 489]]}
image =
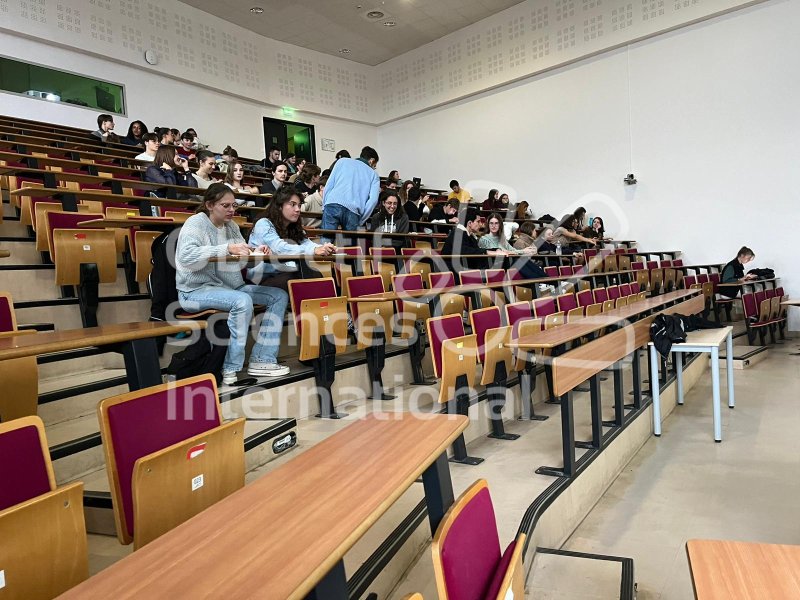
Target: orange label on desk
{"points": [[80, 236], [323, 305], [195, 451]]}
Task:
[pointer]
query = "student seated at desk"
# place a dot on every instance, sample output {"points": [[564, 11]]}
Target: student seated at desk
{"points": [[390, 217], [734, 272], [596, 230], [566, 236], [136, 131], [204, 285], [234, 177], [526, 237], [169, 168], [280, 230], [151, 145], [445, 213], [313, 203]]}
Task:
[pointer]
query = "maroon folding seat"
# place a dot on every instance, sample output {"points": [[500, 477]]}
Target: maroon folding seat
{"points": [[635, 288], [620, 251], [566, 302], [551, 271], [703, 278], [517, 312], [543, 307], [471, 277], [613, 292], [689, 281], [565, 271], [637, 266], [666, 264], [624, 290], [442, 280], [678, 262], [585, 298], [600, 295], [652, 264]]}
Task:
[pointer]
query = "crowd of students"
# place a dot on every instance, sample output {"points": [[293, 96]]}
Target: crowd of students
{"points": [[349, 195]]}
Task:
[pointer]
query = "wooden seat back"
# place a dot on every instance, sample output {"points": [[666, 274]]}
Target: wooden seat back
{"points": [[624, 263], [409, 312], [621, 301], [385, 269], [142, 251], [608, 305], [178, 216], [610, 263], [40, 219], [61, 219], [369, 316], [43, 551], [74, 247], [454, 354], [526, 327], [152, 423], [513, 583]]}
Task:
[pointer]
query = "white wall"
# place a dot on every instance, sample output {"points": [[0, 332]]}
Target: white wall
{"points": [[160, 100], [705, 117]]}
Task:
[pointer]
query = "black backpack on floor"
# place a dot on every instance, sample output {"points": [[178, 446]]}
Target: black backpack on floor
{"points": [[202, 356]]}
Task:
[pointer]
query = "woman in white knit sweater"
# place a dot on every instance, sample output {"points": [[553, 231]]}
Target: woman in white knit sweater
{"points": [[219, 285]]}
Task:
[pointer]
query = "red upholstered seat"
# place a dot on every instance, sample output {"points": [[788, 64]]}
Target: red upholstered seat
{"points": [[441, 329], [482, 320], [66, 220], [308, 289], [637, 266], [689, 281], [551, 271], [517, 312], [652, 264], [442, 280], [613, 292], [620, 251], [544, 306], [632, 250], [470, 550], [151, 422], [600, 295], [771, 293], [666, 264], [678, 262], [363, 286], [566, 302], [585, 298], [471, 277], [565, 271], [703, 278], [635, 288], [624, 290], [589, 253], [8, 321], [406, 283], [23, 466], [513, 275], [495, 275]]}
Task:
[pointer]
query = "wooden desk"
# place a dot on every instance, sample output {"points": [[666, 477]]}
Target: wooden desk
{"points": [[154, 223], [673, 254], [5, 253], [794, 302], [564, 334], [284, 535], [704, 340], [728, 570], [626, 243], [21, 136], [135, 341]]}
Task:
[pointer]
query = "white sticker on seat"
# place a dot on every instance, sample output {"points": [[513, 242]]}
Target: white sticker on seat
{"points": [[2, 579], [197, 482]]}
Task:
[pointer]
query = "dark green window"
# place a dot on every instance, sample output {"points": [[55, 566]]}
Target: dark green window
{"points": [[60, 86]]}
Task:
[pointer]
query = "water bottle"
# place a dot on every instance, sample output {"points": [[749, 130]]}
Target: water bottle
{"points": [[558, 248]]}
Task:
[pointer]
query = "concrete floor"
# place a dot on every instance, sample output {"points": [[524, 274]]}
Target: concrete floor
{"points": [[683, 486]]}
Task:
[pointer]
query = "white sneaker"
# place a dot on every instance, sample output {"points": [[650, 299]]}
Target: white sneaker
{"points": [[267, 370], [229, 378]]}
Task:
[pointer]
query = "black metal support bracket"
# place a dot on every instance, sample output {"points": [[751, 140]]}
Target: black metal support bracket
{"points": [[376, 359], [461, 404], [88, 294], [527, 385], [416, 353], [324, 374], [496, 399], [567, 441]]}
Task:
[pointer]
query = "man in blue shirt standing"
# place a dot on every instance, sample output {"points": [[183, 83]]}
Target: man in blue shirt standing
{"points": [[352, 192]]}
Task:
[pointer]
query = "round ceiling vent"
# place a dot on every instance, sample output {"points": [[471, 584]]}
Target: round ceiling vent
{"points": [[375, 14]]}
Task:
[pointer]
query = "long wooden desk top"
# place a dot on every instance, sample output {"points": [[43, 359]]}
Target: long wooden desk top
{"points": [[44, 138], [369, 234], [45, 342], [563, 334], [794, 302], [5, 253], [278, 536], [136, 184], [728, 570], [749, 282], [35, 147], [137, 221]]}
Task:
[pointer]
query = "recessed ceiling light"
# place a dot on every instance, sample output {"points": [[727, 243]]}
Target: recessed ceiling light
{"points": [[344, 50], [257, 10], [389, 23], [375, 14]]}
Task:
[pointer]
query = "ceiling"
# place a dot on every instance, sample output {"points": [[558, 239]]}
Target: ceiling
{"points": [[330, 25]]}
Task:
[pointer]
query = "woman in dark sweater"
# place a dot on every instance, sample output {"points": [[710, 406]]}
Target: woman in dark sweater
{"points": [[170, 169], [734, 272]]}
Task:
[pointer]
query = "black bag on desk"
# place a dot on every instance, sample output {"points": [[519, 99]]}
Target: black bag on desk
{"points": [[762, 273]]}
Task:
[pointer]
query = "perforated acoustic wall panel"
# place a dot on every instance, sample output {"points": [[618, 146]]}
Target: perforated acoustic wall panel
{"points": [[524, 40], [196, 46]]}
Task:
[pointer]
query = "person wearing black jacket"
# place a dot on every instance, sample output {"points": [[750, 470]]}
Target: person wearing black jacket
{"points": [[462, 240], [169, 168], [412, 207], [734, 272]]}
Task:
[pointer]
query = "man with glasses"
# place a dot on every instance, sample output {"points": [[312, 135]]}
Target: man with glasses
{"points": [[352, 192]]}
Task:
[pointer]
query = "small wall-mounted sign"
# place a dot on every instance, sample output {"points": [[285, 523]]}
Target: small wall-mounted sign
{"points": [[328, 145]]}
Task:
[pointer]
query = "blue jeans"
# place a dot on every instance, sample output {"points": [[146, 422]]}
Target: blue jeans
{"points": [[334, 215], [239, 304]]}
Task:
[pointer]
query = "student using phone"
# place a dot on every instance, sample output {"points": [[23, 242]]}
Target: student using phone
{"points": [[169, 168]]}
